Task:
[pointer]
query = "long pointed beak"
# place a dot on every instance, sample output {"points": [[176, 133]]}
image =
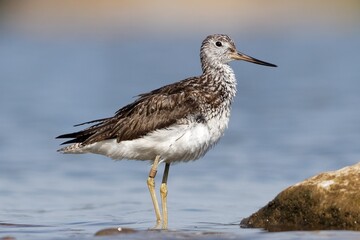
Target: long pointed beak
{"points": [[244, 57]]}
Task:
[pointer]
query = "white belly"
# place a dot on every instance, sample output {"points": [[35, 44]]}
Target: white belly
{"points": [[176, 143]]}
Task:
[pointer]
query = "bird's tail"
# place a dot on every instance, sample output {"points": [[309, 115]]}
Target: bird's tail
{"points": [[73, 148]]}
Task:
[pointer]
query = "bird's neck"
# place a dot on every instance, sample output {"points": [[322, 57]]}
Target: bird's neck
{"points": [[220, 71], [223, 75]]}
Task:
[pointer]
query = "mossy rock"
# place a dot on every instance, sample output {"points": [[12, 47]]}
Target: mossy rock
{"points": [[328, 201]]}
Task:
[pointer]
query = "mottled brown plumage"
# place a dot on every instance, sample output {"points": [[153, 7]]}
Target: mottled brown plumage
{"points": [[170, 104]]}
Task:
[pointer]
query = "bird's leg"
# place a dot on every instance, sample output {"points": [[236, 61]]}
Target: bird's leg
{"points": [[163, 194], [151, 186]]}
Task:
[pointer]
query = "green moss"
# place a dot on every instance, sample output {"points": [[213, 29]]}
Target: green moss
{"points": [[306, 208]]}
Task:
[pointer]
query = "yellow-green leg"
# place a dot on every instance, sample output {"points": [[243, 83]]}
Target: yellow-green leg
{"points": [[151, 186], [163, 194]]}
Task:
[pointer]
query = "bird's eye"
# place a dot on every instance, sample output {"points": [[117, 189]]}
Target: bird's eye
{"points": [[219, 44]]}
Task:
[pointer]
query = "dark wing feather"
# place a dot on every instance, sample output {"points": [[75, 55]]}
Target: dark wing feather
{"points": [[151, 111]]}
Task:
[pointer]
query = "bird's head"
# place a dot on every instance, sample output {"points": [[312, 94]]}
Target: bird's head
{"points": [[220, 49]]}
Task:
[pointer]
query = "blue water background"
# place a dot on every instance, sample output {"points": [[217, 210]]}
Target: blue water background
{"points": [[288, 123]]}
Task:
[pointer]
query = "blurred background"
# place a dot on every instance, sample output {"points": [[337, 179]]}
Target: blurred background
{"points": [[67, 62]]}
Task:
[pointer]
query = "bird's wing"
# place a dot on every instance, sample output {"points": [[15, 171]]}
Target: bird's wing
{"points": [[151, 111]]}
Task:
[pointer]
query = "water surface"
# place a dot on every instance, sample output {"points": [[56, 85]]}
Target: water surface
{"points": [[287, 124]]}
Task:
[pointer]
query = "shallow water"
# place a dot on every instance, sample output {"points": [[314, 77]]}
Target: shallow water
{"points": [[287, 124]]}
